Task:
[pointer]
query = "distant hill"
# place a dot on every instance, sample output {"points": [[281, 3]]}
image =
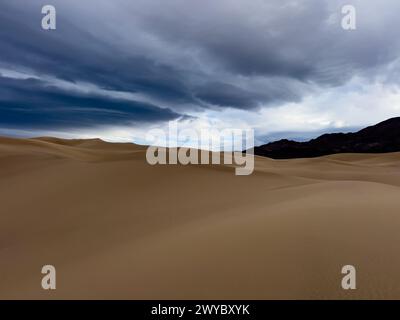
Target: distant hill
{"points": [[380, 138]]}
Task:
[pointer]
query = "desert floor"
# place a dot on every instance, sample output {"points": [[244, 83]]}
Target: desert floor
{"points": [[116, 227]]}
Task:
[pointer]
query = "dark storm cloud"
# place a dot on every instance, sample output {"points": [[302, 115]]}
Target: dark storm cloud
{"points": [[300, 39], [73, 54], [185, 55], [226, 95], [33, 104], [221, 94]]}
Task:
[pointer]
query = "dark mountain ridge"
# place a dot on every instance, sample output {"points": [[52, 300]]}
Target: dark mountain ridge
{"points": [[380, 138]]}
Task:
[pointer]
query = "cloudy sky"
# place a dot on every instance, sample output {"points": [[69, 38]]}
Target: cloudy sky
{"points": [[115, 69]]}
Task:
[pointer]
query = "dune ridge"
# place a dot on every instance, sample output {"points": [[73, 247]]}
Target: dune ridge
{"points": [[116, 227]]}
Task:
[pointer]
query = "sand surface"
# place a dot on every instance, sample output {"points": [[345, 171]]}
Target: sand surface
{"points": [[117, 228]]}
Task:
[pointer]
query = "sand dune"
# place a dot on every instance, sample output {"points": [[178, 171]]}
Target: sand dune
{"points": [[116, 227]]}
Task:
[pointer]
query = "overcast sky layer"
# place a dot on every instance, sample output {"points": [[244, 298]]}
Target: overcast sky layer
{"points": [[115, 69]]}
